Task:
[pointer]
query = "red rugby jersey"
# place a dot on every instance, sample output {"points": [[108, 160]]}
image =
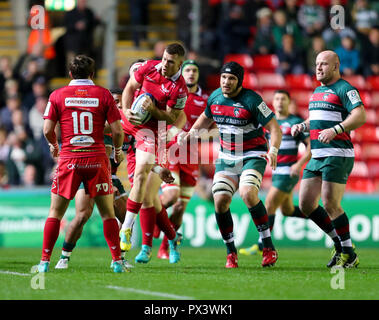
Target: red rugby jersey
{"points": [[171, 92], [81, 108]]}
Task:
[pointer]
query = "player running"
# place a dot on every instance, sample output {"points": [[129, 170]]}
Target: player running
{"points": [[163, 80], [185, 171], [81, 109], [335, 108], [240, 115]]}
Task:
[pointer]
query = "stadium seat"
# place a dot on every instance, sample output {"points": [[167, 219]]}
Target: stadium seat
{"points": [[213, 81], [370, 151], [303, 111], [250, 81], [373, 169], [267, 96], [245, 60], [360, 169], [375, 99], [357, 81], [270, 81], [358, 151], [301, 97], [363, 185], [366, 98], [371, 117], [366, 133], [299, 81], [373, 81], [265, 62]]}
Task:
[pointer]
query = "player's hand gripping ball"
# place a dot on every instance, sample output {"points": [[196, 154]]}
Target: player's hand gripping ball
{"points": [[138, 108]]}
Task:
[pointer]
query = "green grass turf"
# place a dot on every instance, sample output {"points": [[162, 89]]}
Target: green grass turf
{"points": [[300, 273]]}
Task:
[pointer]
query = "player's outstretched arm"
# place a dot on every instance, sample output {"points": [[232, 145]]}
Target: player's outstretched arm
{"points": [[49, 133], [276, 140], [118, 138], [354, 120]]}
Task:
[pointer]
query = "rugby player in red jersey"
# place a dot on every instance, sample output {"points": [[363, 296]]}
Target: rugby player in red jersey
{"points": [[163, 80], [81, 109], [185, 171]]}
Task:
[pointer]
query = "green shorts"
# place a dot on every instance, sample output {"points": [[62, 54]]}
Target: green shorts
{"points": [[284, 182], [332, 169], [237, 167]]}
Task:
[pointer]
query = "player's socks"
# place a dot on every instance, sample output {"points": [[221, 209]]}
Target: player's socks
{"points": [[225, 224], [164, 244], [110, 229], [298, 214], [321, 218], [271, 221], [164, 223], [50, 236], [147, 218], [260, 218], [67, 249], [341, 225], [132, 209]]}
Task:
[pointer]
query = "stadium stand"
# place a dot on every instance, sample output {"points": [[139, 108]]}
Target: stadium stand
{"points": [[261, 72]]}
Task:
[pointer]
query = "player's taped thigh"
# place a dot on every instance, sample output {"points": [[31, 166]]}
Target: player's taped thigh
{"points": [[223, 185], [251, 178], [186, 193]]}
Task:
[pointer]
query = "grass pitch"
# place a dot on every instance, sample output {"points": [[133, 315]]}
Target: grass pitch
{"points": [[300, 273]]}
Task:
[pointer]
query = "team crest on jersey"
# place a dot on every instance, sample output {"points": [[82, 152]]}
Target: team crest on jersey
{"points": [[237, 112], [325, 96], [164, 90]]}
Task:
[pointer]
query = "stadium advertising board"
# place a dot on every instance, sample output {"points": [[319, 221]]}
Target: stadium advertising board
{"points": [[22, 217]]}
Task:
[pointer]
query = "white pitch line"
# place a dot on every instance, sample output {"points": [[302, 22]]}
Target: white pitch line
{"points": [[151, 293], [15, 273]]}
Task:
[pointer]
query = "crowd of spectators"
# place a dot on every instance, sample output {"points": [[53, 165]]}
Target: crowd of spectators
{"points": [[294, 30]]}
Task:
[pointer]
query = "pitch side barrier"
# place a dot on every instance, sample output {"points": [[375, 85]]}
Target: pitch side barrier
{"points": [[23, 214]]}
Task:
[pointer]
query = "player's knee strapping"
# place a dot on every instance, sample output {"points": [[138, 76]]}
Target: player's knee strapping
{"points": [[251, 177], [223, 185]]}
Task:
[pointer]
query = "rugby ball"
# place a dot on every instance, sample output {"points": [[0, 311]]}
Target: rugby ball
{"points": [[143, 115]]}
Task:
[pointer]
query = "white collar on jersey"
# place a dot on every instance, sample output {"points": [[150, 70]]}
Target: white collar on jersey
{"points": [[174, 77], [81, 82]]}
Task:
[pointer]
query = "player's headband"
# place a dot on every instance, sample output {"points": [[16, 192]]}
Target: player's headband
{"points": [[189, 62], [235, 69]]}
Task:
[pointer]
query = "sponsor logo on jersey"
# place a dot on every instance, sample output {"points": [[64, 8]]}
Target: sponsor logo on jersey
{"points": [[81, 92], [353, 96], [216, 110], [198, 102], [264, 109], [82, 141], [81, 102]]}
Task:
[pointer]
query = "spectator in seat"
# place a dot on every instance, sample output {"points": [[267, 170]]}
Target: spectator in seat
{"points": [[290, 58], [371, 53], [264, 41], [234, 33], [311, 17], [364, 17], [283, 26], [6, 73], [318, 45], [349, 57], [291, 9]]}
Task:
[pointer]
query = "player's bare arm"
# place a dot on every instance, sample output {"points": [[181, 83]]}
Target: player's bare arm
{"points": [[276, 139], [49, 133], [354, 120], [177, 126], [296, 167], [300, 127], [128, 94], [170, 115], [118, 138]]}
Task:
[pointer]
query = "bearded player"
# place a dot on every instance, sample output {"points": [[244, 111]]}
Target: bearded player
{"points": [[163, 80]]}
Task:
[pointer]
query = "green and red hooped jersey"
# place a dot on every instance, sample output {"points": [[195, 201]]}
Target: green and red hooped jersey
{"points": [[328, 106], [240, 121], [289, 148]]}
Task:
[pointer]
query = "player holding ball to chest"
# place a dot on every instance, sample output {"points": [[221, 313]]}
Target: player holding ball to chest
{"points": [[166, 95]]}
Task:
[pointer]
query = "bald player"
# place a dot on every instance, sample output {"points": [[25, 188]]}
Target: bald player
{"points": [[335, 108]]}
